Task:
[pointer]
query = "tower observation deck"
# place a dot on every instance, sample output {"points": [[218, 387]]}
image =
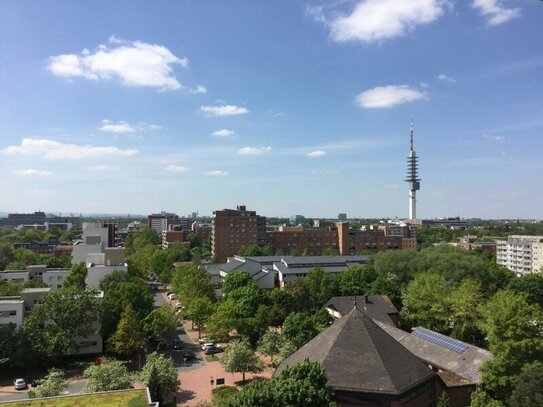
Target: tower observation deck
{"points": [[412, 178]]}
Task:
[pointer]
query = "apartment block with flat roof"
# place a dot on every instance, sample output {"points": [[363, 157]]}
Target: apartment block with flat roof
{"points": [[233, 229], [521, 254]]}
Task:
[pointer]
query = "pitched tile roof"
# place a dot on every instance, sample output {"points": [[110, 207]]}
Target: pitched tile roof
{"points": [[359, 356]]}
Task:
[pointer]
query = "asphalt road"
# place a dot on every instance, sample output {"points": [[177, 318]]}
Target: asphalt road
{"points": [[188, 345], [160, 298], [73, 388]]}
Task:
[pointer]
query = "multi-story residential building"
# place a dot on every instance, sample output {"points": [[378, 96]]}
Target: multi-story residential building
{"points": [[159, 221], [470, 242], [202, 230], [172, 238], [521, 254], [366, 240], [314, 240], [342, 217], [234, 229]]}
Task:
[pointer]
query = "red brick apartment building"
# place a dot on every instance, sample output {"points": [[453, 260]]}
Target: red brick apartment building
{"points": [[234, 229]]}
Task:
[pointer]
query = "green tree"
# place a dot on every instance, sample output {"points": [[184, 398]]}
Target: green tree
{"points": [[513, 328], [223, 320], [6, 254], [282, 304], [331, 251], [424, 302], [154, 386], [109, 375], [128, 338], [235, 280], [193, 240], [52, 385], [528, 391], [191, 282], [13, 349], [464, 302], [356, 280], [321, 286], [199, 311], [301, 300], [240, 358], [159, 323], [302, 385], [531, 285], [62, 316], [77, 276], [167, 374], [270, 344], [444, 400], [251, 250], [299, 328], [481, 399], [258, 393]]}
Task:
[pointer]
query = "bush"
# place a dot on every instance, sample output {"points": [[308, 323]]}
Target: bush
{"points": [[221, 396]]}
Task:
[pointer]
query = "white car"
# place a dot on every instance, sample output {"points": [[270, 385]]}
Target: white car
{"points": [[208, 345], [19, 384], [172, 296]]}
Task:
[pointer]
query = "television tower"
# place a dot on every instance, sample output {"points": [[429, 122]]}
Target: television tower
{"points": [[412, 178]]}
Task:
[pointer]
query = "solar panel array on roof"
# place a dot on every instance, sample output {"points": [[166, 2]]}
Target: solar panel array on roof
{"points": [[441, 340]]}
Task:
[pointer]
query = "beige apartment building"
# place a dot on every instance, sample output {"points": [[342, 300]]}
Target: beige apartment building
{"points": [[521, 254]]}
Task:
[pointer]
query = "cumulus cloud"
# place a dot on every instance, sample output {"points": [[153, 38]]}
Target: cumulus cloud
{"points": [[494, 12], [316, 154], [31, 172], [388, 96], [55, 150], [176, 168], [254, 150], [154, 127], [446, 78], [224, 110], [132, 63], [216, 173], [119, 127], [198, 89], [223, 133], [373, 21]]}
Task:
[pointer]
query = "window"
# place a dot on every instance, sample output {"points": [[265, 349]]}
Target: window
{"points": [[12, 313]]}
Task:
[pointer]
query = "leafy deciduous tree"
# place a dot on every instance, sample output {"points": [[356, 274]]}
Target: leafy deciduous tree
{"points": [[109, 375], [240, 358], [128, 338]]}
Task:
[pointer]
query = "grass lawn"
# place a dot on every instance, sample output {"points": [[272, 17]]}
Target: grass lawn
{"points": [[129, 398]]}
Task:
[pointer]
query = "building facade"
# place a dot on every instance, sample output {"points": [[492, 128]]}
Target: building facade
{"points": [[521, 254], [233, 229]]}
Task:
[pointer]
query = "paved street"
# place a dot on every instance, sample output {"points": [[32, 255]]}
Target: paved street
{"points": [[8, 393], [160, 298], [188, 345]]}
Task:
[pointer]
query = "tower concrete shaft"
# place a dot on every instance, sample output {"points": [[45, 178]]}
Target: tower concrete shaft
{"points": [[412, 178]]}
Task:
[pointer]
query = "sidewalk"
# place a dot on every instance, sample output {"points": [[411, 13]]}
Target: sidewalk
{"points": [[196, 385]]}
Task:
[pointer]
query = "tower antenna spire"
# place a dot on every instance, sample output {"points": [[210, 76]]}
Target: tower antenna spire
{"points": [[412, 178]]}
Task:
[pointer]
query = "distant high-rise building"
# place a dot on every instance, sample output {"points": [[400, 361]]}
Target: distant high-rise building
{"points": [[342, 217], [159, 221], [412, 178], [233, 229], [16, 219]]}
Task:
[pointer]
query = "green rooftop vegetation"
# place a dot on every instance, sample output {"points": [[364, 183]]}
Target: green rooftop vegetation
{"points": [[129, 398]]}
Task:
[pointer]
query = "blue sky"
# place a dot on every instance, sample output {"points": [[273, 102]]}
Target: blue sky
{"points": [[290, 107]]}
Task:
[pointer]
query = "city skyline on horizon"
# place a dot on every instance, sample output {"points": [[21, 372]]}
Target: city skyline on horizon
{"points": [[289, 108]]}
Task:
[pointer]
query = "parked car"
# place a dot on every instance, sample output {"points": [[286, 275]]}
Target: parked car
{"points": [[32, 382], [204, 339], [177, 344], [179, 306], [172, 296], [19, 384], [213, 350], [187, 355], [208, 345]]}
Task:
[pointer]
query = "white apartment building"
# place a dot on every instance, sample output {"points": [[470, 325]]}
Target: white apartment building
{"points": [[521, 254]]}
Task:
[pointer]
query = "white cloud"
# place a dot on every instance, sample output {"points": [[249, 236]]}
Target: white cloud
{"points": [[119, 127], [31, 172], [223, 133], [216, 173], [388, 96], [446, 78], [316, 153], [224, 110], [493, 137], [55, 150], [177, 168], [133, 63], [494, 12], [254, 150], [103, 167], [155, 127], [377, 20], [198, 89]]}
